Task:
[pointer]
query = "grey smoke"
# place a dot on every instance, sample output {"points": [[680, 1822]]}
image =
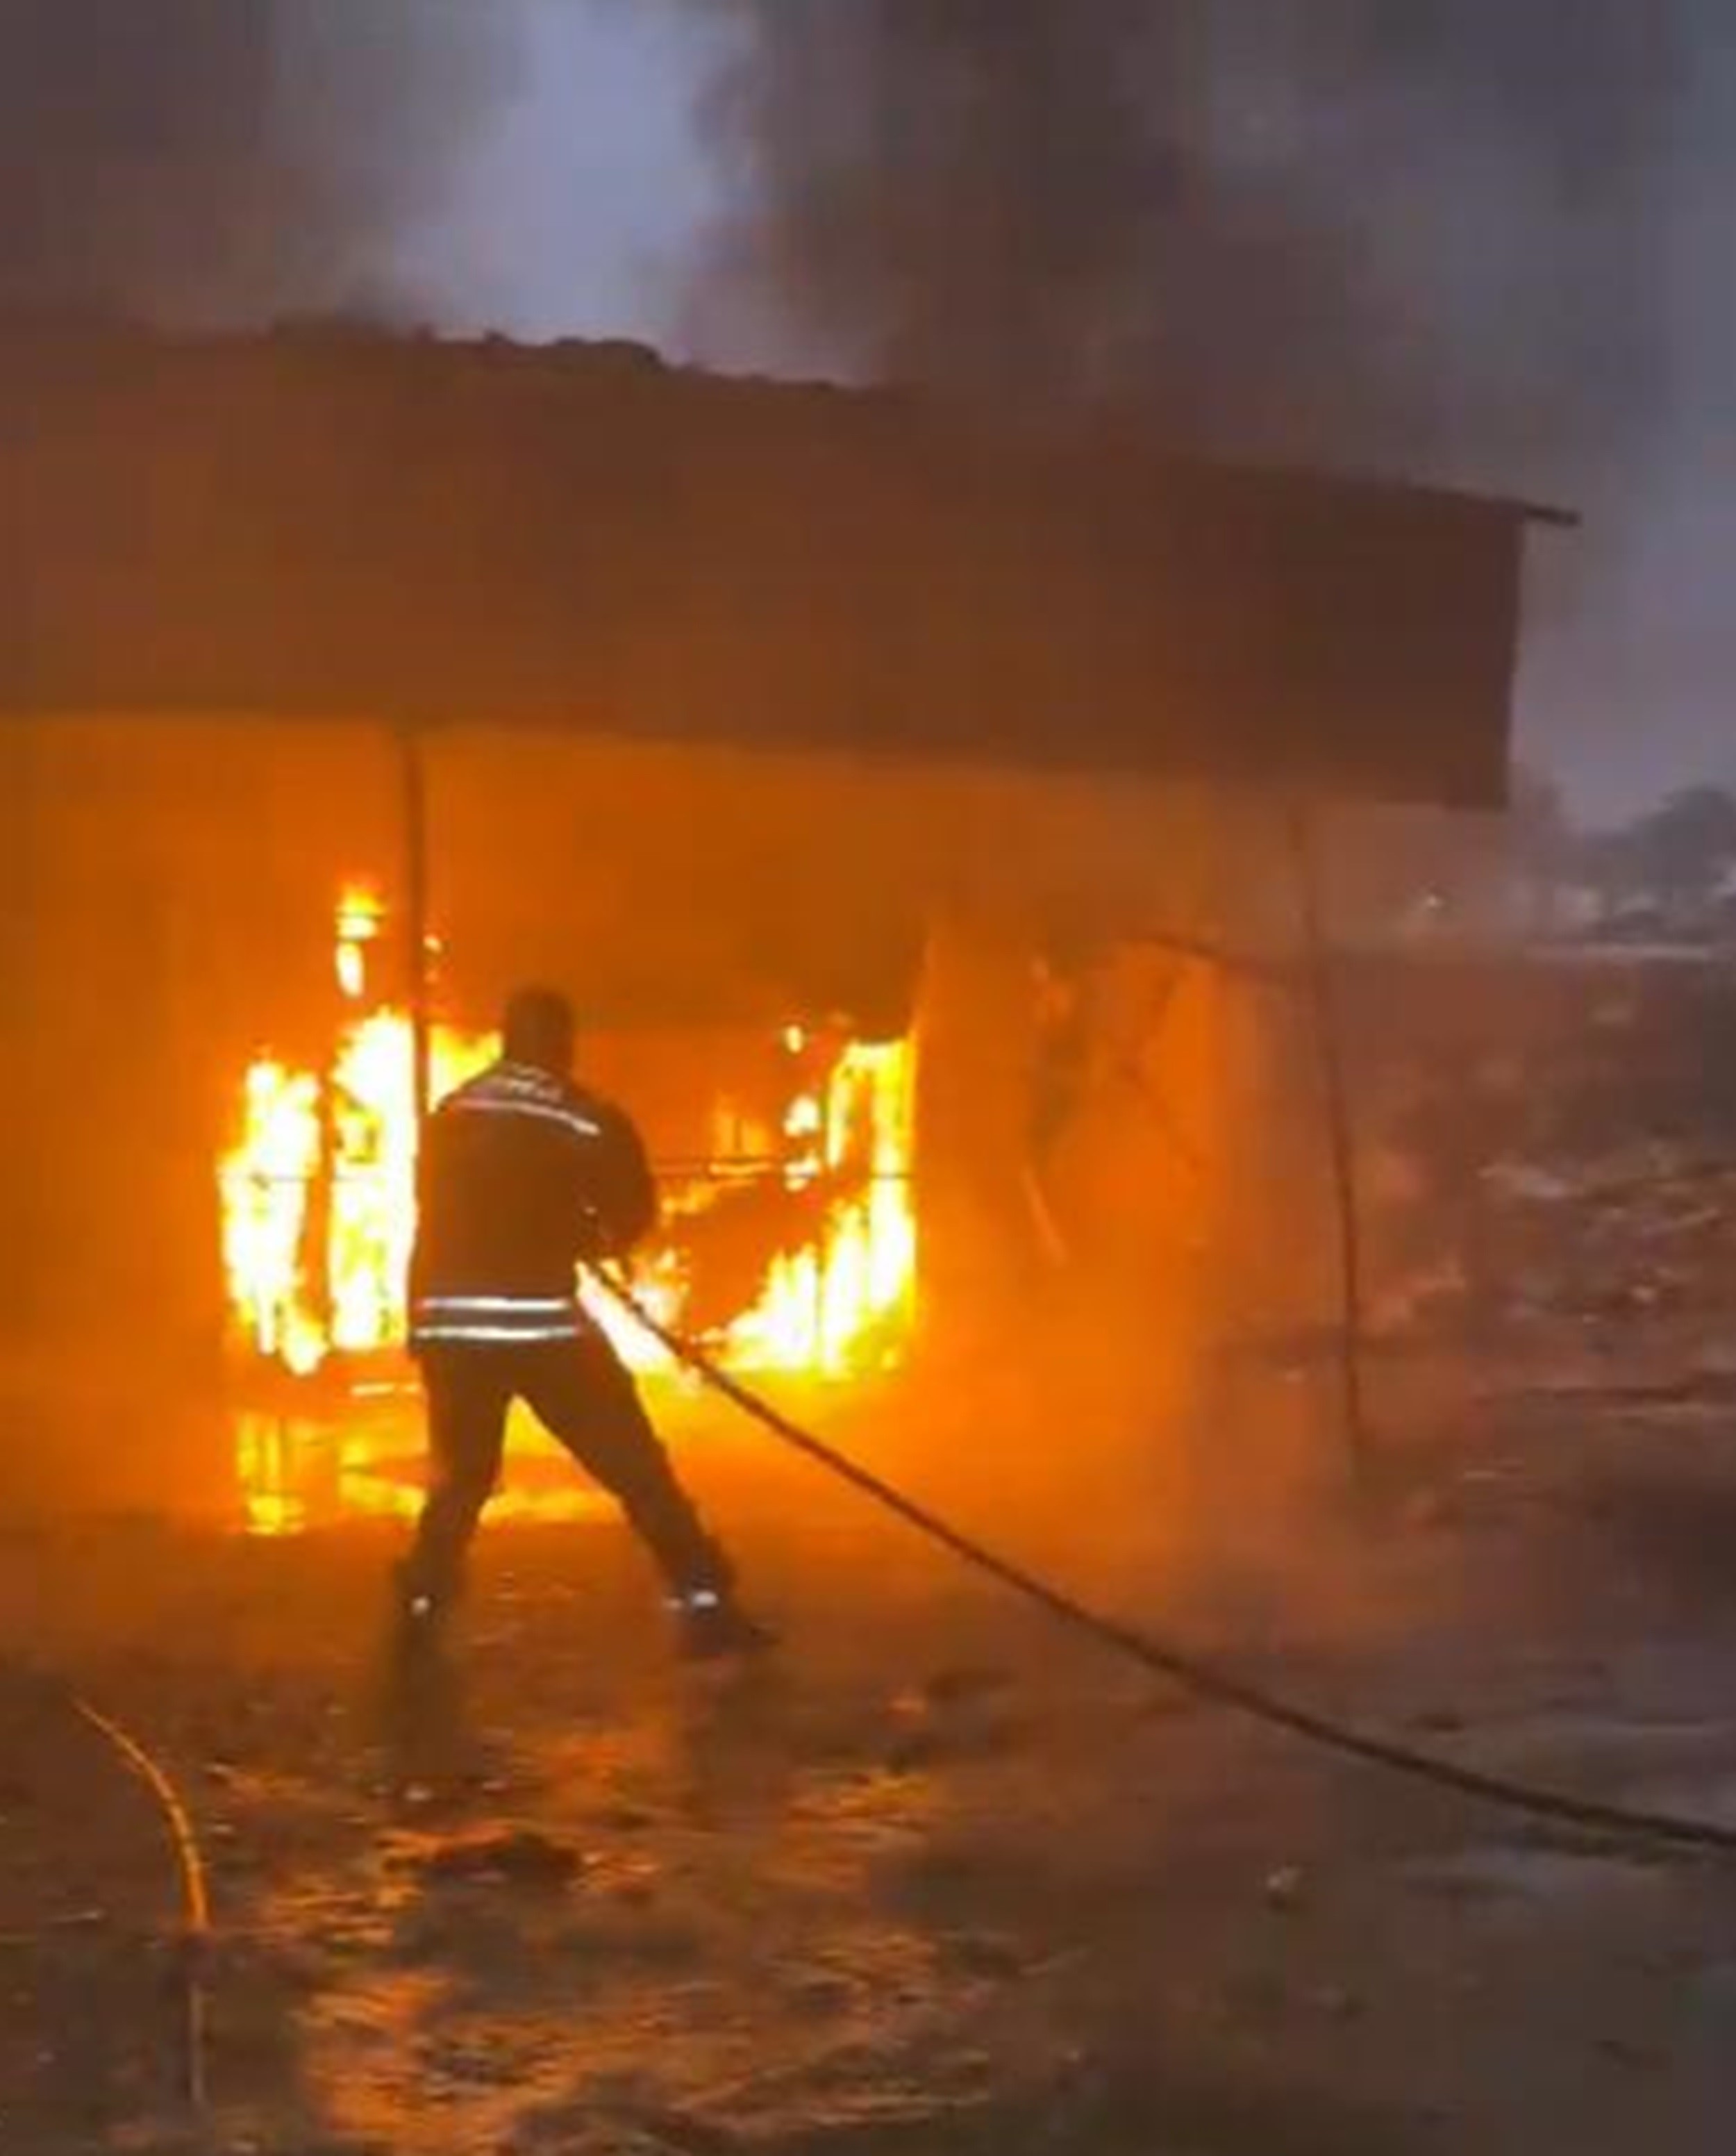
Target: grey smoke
{"points": [[230, 160], [1478, 241], [1341, 228]]}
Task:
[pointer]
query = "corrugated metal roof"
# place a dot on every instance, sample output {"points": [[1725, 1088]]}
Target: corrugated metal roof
{"points": [[578, 536]]}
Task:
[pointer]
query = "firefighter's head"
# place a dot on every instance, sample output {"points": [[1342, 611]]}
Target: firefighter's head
{"points": [[538, 1028]]}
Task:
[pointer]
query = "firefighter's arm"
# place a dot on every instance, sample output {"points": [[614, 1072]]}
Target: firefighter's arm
{"points": [[627, 1212]]}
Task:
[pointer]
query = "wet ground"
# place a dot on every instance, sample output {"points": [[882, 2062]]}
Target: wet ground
{"points": [[937, 1879]]}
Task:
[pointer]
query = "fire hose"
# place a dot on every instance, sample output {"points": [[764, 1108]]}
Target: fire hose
{"points": [[193, 1892], [195, 1895], [1204, 1676]]}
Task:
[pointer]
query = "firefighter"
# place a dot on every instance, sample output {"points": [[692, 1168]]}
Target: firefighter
{"points": [[524, 1175]]}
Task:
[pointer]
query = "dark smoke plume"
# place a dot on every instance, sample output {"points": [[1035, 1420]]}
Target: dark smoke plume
{"points": [[224, 160], [1424, 229]]}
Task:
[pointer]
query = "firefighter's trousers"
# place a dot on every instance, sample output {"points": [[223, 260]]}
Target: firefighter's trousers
{"points": [[583, 1395]]}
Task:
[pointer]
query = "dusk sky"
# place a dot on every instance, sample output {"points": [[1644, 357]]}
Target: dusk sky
{"points": [[580, 210], [581, 206]]}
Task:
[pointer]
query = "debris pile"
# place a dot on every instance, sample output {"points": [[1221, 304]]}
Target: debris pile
{"points": [[1582, 1173], [1650, 1234]]}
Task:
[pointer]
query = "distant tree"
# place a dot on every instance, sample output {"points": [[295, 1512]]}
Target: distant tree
{"points": [[1541, 848], [1452, 870], [1682, 853]]}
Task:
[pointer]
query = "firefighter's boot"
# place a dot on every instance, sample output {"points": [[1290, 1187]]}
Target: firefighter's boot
{"points": [[712, 1626]]}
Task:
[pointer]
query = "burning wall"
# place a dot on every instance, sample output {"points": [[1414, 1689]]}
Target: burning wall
{"points": [[172, 885], [787, 1241], [813, 1176]]}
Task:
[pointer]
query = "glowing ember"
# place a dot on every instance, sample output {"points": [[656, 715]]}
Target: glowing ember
{"points": [[318, 1200]]}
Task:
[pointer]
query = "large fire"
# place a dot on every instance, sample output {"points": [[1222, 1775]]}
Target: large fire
{"points": [[319, 1215]]}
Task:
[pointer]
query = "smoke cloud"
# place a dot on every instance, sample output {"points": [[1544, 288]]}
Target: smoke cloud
{"points": [[1348, 228], [200, 160]]}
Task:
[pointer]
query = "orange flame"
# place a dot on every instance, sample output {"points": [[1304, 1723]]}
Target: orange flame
{"points": [[318, 1216]]}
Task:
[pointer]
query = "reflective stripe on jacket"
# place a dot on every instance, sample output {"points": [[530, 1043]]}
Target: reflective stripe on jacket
{"points": [[523, 1176], [499, 1320]]}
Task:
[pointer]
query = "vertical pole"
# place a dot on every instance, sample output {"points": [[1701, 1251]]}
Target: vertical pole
{"points": [[418, 989], [1341, 1139]]}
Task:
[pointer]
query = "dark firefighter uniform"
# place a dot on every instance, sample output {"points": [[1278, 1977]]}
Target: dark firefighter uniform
{"points": [[523, 1175]]}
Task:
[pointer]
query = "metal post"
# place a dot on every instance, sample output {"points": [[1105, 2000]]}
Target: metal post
{"points": [[1341, 1138], [418, 986]]}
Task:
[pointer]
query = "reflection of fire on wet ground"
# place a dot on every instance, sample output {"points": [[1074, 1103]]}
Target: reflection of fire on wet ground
{"points": [[934, 1883], [297, 1472]]}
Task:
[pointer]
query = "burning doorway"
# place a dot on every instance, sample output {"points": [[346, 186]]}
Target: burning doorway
{"points": [[788, 1242]]}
